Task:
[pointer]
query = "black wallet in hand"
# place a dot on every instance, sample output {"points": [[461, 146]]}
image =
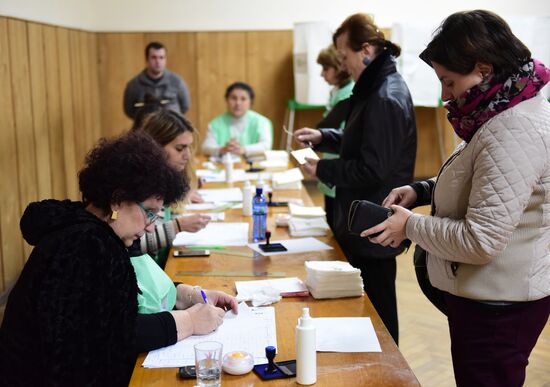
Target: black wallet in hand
{"points": [[364, 214]]}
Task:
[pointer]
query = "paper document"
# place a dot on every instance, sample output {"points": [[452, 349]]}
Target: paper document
{"points": [[298, 245], [290, 176], [301, 154], [303, 211], [346, 334], [219, 234], [287, 287], [251, 330], [221, 195]]}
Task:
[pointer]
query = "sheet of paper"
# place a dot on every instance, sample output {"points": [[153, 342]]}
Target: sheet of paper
{"points": [[301, 154], [218, 234], [346, 334], [283, 285], [297, 245], [303, 211], [251, 330], [290, 176], [211, 175], [221, 195], [216, 216]]}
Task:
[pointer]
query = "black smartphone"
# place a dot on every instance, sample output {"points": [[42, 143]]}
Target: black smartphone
{"points": [[187, 372], [191, 253]]}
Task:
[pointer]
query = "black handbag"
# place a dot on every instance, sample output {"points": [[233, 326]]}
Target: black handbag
{"points": [[433, 294], [364, 214]]}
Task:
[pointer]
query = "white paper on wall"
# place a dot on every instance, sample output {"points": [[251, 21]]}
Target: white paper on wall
{"points": [[309, 39]]}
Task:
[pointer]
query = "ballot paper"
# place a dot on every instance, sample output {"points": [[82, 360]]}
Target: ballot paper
{"points": [[301, 227], [251, 330], [301, 154], [297, 245], [219, 234], [303, 211], [287, 287], [290, 176], [333, 279], [345, 334], [221, 195]]}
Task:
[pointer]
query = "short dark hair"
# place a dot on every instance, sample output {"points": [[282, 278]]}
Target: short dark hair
{"points": [[361, 29], [154, 46], [470, 37], [242, 86], [131, 167]]}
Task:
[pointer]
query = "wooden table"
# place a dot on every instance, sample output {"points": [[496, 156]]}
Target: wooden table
{"points": [[387, 368]]}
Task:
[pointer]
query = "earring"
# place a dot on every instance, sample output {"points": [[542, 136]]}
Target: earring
{"points": [[114, 215]]}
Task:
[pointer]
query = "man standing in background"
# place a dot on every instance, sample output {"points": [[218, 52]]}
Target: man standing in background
{"points": [[155, 82]]}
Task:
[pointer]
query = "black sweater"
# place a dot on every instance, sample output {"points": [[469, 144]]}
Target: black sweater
{"points": [[71, 316], [377, 150]]}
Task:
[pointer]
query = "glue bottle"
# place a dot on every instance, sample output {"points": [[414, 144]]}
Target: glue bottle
{"points": [[228, 163], [306, 353], [247, 199]]}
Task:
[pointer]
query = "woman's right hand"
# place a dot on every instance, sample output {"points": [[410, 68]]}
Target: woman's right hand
{"points": [[193, 223], [205, 318], [404, 196], [308, 136]]}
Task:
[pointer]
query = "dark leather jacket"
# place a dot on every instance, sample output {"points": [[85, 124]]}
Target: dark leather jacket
{"points": [[377, 150]]}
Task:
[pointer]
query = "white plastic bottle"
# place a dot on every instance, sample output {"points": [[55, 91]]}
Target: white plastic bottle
{"points": [[306, 352], [228, 163], [247, 199]]}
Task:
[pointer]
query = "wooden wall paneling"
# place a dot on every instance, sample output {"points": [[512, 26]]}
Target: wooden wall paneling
{"points": [[67, 114], [93, 63], [86, 87], [77, 86], [55, 116], [221, 60], [121, 58], [23, 114], [39, 109], [428, 158], [11, 250], [269, 65], [181, 59]]}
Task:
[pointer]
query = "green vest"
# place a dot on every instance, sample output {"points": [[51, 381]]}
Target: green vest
{"points": [[221, 126], [157, 291], [341, 94]]}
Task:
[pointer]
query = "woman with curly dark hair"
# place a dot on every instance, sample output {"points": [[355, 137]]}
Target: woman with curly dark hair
{"points": [[71, 316]]}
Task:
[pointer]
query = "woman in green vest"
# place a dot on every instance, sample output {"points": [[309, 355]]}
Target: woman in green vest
{"points": [[170, 311], [337, 109], [240, 130]]}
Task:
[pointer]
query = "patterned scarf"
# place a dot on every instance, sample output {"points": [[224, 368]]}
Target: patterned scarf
{"points": [[484, 101]]}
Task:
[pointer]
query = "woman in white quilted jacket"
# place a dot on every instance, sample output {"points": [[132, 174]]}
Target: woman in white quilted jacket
{"points": [[488, 234]]}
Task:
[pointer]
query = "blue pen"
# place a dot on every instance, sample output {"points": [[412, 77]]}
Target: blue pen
{"points": [[203, 294]]}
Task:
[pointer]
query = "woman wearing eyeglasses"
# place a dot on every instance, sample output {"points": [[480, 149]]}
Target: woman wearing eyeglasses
{"points": [[71, 317]]}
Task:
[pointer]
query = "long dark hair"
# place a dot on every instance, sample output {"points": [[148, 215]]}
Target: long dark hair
{"points": [[470, 37]]}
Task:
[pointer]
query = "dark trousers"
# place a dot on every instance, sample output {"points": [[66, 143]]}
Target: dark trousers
{"points": [[490, 345], [379, 284]]}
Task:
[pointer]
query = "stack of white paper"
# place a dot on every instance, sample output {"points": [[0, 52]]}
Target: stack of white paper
{"points": [[275, 159], [291, 179], [333, 279], [300, 227], [303, 211]]}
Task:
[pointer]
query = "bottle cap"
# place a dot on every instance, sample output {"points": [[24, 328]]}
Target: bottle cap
{"points": [[305, 320], [259, 190]]}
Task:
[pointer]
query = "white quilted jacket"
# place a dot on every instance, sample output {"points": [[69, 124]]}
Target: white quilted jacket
{"points": [[492, 211]]}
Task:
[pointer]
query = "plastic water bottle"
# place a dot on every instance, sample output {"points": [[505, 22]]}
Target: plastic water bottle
{"points": [[306, 352], [259, 215]]}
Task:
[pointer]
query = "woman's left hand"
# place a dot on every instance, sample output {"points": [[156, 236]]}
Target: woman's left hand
{"points": [[195, 197], [393, 229], [222, 300], [310, 167]]}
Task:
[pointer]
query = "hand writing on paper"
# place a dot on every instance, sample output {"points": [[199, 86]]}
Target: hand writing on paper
{"points": [[393, 229], [193, 223]]}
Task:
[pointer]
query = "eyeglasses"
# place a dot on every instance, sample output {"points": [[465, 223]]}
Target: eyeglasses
{"points": [[149, 215]]}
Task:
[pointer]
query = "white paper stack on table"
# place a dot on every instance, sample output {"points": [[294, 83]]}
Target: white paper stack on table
{"points": [[333, 279], [291, 179], [275, 159], [307, 221]]}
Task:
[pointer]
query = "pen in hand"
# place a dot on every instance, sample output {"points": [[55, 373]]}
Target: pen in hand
{"points": [[203, 294]]}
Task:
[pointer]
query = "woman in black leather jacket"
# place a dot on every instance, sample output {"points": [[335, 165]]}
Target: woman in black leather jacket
{"points": [[377, 152]]}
